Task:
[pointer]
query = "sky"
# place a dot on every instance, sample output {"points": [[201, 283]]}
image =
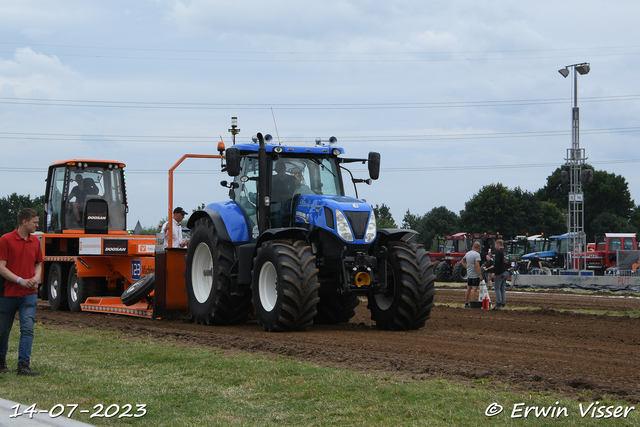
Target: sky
{"points": [[454, 95]]}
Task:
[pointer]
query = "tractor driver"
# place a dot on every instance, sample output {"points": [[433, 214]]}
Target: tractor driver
{"points": [[84, 188], [79, 195], [283, 186]]}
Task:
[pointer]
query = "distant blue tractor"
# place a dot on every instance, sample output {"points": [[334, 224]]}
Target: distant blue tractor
{"points": [[291, 247], [552, 255]]}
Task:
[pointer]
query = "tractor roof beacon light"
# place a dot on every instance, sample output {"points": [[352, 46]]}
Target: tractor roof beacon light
{"points": [[234, 128]]}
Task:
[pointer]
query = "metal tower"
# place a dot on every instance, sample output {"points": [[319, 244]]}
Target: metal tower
{"points": [[576, 241]]}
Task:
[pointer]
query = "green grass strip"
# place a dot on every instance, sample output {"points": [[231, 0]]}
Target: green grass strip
{"points": [[205, 387]]}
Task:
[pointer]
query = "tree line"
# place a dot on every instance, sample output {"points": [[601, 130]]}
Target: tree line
{"points": [[497, 209], [494, 209], [11, 205]]}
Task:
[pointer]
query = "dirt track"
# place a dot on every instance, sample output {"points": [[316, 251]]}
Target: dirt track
{"points": [[539, 349]]}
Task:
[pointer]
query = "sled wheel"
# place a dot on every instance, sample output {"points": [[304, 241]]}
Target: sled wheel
{"points": [[80, 288], [139, 289], [57, 288]]}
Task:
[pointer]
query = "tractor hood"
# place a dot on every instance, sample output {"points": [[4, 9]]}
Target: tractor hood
{"points": [[545, 254], [350, 219]]}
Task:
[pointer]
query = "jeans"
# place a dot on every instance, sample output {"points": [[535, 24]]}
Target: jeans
{"points": [[499, 285], [26, 306]]}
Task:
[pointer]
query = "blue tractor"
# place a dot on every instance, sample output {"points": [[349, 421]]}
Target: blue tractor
{"points": [[292, 248]]}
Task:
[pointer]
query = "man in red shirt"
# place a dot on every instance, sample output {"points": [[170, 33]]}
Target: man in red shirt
{"points": [[20, 272]]}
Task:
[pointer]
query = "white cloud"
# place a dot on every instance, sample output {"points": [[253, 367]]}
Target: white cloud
{"points": [[31, 73]]}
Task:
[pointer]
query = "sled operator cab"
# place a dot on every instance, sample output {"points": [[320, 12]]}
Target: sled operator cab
{"points": [[86, 195], [88, 254]]}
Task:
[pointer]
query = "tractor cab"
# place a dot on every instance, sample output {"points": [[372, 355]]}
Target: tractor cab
{"points": [[86, 195], [288, 178], [302, 183]]}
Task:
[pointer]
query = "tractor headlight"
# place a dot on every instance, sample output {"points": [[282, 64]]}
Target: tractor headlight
{"points": [[371, 229], [343, 228]]}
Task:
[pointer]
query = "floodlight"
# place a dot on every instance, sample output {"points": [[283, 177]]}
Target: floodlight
{"points": [[583, 68]]}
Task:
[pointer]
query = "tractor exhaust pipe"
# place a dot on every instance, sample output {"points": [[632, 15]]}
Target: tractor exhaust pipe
{"points": [[263, 187]]}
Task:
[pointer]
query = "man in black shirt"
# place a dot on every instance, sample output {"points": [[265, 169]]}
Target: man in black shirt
{"points": [[500, 274], [534, 264]]}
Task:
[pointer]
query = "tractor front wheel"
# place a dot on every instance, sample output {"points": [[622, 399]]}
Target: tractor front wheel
{"points": [[408, 301], [285, 286]]}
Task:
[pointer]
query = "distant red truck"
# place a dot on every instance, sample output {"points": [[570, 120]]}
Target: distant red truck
{"points": [[605, 253], [448, 267]]}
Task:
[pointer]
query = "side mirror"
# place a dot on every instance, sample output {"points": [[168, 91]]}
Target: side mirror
{"points": [[233, 161], [374, 165]]}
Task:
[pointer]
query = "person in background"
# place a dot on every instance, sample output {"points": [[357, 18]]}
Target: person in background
{"points": [[500, 274], [471, 261], [20, 271], [534, 264], [176, 238], [487, 270]]}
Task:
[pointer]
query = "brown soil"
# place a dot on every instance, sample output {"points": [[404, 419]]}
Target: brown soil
{"points": [[540, 348]]}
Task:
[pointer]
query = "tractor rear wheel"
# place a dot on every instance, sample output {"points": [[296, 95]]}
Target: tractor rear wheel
{"points": [[285, 286], [335, 307], [408, 300], [459, 273], [208, 279], [57, 287]]}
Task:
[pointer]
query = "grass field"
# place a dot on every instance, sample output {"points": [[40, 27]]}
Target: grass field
{"points": [[205, 387]]}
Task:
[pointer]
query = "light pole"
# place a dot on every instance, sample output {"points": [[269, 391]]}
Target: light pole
{"points": [[576, 240]]}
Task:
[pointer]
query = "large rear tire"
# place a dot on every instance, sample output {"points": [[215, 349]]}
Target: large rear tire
{"points": [[285, 286], [335, 307], [208, 279], [459, 273], [57, 287], [408, 301]]}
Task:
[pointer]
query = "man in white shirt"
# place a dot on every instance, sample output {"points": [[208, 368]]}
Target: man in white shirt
{"points": [[176, 241]]}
